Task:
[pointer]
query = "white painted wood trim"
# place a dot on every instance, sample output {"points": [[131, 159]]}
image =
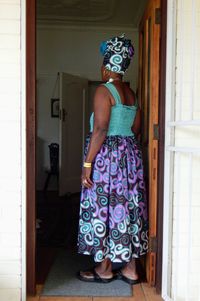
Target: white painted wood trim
{"points": [[189, 150], [184, 122], [167, 298], [193, 63], [180, 88], [169, 140], [189, 252], [23, 148]]}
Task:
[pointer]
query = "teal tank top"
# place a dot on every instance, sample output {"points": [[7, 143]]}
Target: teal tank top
{"points": [[122, 116]]}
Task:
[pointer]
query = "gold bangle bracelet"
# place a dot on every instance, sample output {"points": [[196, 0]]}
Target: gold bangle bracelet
{"points": [[87, 164]]}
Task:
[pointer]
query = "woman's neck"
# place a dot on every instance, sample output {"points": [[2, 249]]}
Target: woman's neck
{"points": [[112, 79]]}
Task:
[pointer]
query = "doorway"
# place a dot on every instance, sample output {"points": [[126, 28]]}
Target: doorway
{"points": [[33, 155]]}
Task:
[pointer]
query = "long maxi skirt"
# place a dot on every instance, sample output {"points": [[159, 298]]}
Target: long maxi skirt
{"points": [[113, 218]]}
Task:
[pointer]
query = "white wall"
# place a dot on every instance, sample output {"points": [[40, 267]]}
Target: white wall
{"points": [[73, 50], [47, 127], [76, 51], [184, 206], [10, 152]]}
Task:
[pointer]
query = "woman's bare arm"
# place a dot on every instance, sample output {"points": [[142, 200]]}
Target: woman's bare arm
{"points": [[102, 109]]}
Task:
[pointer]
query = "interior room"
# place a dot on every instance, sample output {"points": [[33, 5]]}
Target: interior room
{"points": [[68, 36]]}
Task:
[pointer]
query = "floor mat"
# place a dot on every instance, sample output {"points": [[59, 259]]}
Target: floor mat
{"points": [[62, 280]]}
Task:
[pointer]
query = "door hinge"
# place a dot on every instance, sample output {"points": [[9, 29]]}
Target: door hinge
{"points": [[153, 244], [62, 114], [157, 15], [155, 132]]}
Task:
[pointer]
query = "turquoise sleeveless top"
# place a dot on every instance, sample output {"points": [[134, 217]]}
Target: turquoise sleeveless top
{"points": [[122, 116]]}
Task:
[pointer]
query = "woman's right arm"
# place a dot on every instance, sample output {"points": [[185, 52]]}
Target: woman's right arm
{"points": [[102, 110]]}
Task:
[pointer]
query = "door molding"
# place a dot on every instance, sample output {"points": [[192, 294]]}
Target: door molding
{"points": [[151, 80], [161, 144], [171, 43], [31, 143]]}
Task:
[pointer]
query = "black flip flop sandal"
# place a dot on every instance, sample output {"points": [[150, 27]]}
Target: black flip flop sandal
{"points": [[96, 277], [121, 276]]}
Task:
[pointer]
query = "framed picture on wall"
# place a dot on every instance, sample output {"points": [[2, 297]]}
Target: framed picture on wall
{"points": [[55, 107]]}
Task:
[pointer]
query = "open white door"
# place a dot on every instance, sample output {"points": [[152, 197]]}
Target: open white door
{"points": [[74, 125]]}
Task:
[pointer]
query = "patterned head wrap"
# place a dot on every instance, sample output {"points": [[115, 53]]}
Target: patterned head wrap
{"points": [[117, 53]]}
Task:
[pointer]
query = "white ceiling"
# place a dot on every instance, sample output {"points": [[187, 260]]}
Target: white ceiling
{"points": [[112, 13]]}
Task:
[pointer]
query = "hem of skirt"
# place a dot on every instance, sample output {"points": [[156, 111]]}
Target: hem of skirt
{"points": [[116, 261]]}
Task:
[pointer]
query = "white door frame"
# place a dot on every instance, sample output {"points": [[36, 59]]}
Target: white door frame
{"points": [[168, 164]]}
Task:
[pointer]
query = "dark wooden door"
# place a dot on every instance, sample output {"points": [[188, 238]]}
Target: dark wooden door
{"points": [[149, 59]]}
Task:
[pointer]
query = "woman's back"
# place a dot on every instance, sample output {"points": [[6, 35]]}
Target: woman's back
{"points": [[126, 94], [122, 113]]}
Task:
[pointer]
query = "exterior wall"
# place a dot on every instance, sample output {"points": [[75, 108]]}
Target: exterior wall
{"points": [[10, 151], [186, 205], [182, 188]]}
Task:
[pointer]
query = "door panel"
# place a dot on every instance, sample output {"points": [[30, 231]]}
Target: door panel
{"points": [[73, 122], [149, 50]]}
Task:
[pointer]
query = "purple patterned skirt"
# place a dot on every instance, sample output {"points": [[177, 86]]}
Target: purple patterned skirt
{"points": [[113, 221]]}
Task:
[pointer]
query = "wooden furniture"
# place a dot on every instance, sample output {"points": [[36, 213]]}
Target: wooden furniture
{"points": [[54, 166]]}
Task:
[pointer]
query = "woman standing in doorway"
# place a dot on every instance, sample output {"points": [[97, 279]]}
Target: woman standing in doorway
{"points": [[113, 222]]}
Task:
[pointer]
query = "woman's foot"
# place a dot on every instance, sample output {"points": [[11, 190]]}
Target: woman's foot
{"points": [[103, 270], [130, 274], [129, 270], [90, 275]]}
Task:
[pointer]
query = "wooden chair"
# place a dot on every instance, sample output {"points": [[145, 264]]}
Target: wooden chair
{"points": [[54, 164]]}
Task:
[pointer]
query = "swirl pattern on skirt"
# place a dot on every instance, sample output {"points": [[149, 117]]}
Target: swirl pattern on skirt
{"points": [[113, 218]]}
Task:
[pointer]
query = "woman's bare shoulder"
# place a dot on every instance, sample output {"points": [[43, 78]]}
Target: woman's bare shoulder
{"points": [[102, 87], [101, 90], [101, 96]]}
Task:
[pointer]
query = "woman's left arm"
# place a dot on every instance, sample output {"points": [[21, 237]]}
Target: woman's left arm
{"points": [[102, 109]]}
